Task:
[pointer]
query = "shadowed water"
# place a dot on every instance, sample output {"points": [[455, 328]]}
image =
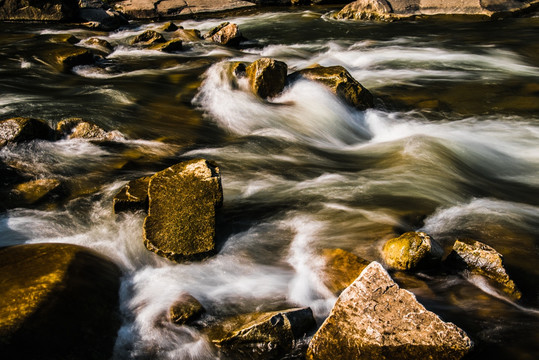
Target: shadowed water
{"points": [[453, 140]]}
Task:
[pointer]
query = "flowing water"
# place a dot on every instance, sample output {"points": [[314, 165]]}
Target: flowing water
{"points": [[451, 148]]}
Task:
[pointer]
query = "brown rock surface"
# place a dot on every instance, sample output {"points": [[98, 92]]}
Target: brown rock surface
{"points": [[341, 268], [24, 129], [151, 9], [226, 34], [375, 319], [133, 196], [182, 207], [38, 10], [169, 46], [148, 37], [267, 77], [340, 82], [185, 309], [410, 250], [484, 260], [57, 301], [32, 191]]}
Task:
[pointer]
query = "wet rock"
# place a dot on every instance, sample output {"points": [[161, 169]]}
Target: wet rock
{"points": [[102, 19], [340, 269], [100, 44], [481, 259], [149, 37], [411, 250], [57, 301], [154, 9], [66, 58], [226, 34], [340, 82], [185, 309], [76, 128], [262, 336], [169, 46], [20, 129], [33, 191], [267, 77], [183, 200], [366, 10], [64, 39], [187, 35], [133, 196], [38, 10], [375, 319], [169, 26]]}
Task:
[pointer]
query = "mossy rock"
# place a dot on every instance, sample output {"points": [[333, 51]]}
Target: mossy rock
{"points": [[481, 259], [57, 301], [169, 27], [339, 81], [269, 335], [183, 200], [20, 129], [133, 196], [411, 250], [185, 309], [340, 269], [267, 77]]}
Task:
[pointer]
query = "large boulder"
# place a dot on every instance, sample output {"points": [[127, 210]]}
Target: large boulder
{"points": [[340, 269], [481, 259], [133, 196], [404, 9], [267, 77], [375, 319], [269, 335], [183, 200], [226, 34], [38, 10], [411, 250], [57, 301], [339, 81], [20, 129], [185, 309]]}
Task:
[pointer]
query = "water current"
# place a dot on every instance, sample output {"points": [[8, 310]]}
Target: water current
{"points": [[451, 148]]}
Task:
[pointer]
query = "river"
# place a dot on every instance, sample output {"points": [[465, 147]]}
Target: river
{"points": [[451, 148]]}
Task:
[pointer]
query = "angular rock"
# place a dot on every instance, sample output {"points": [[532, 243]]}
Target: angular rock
{"points": [[100, 44], [32, 191], [366, 10], [57, 301], [185, 309], [266, 335], [375, 319], [226, 34], [481, 259], [76, 128], [133, 196], [170, 46], [38, 10], [340, 82], [183, 200], [102, 19], [187, 35], [152, 9], [66, 58], [411, 250], [169, 26], [341, 268], [267, 77], [148, 37], [19, 129]]}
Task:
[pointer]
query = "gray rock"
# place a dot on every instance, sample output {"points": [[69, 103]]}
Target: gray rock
{"points": [[183, 200], [375, 319], [481, 259], [57, 301], [268, 335], [267, 77]]}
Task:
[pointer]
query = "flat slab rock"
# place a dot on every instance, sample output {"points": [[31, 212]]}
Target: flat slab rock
{"points": [[149, 9], [182, 203], [375, 319]]}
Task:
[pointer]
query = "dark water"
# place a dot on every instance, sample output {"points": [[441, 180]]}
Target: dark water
{"points": [[454, 139]]}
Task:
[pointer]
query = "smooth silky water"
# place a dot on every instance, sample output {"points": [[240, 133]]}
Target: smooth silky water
{"points": [[451, 148]]}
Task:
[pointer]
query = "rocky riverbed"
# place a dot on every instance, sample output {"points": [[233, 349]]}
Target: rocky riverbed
{"points": [[239, 180]]}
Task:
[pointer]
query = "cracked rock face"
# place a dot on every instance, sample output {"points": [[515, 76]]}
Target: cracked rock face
{"points": [[375, 319]]}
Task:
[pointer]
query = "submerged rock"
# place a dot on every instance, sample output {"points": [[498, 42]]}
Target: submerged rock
{"points": [[76, 128], [183, 200], [148, 37], [100, 44], [187, 35], [20, 129], [133, 196], [410, 250], [483, 260], [57, 301], [375, 319], [262, 336], [226, 34], [267, 77], [169, 46], [341, 268], [185, 309], [38, 10], [66, 58], [33, 191], [340, 82]]}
